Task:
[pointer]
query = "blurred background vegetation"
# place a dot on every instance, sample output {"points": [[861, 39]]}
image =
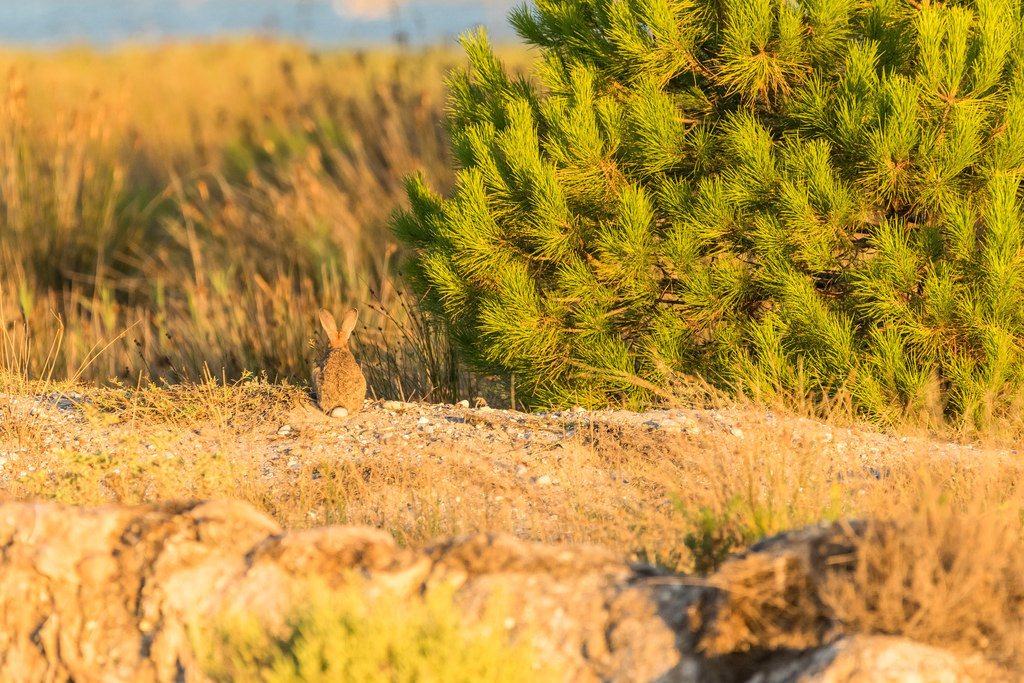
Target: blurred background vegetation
{"points": [[167, 209]]}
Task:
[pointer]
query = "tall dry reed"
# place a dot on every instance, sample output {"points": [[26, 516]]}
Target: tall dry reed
{"points": [[207, 199]]}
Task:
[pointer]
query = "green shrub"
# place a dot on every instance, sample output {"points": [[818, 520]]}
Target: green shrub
{"points": [[344, 636], [715, 535], [778, 196]]}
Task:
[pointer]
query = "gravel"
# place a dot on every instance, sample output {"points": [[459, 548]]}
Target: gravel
{"points": [[57, 423]]}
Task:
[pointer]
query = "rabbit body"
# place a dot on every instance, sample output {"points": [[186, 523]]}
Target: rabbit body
{"points": [[337, 378]]}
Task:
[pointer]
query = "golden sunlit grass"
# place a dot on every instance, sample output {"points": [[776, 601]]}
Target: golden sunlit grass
{"points": [[948, 575], [209, 198], [238, 404]]}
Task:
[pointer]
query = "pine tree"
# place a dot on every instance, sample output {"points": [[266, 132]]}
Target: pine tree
{"points": [[774, 194]]}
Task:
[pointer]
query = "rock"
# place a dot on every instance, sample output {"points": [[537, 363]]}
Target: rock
{"points": [[339, 412], [590, 614], [101, 594], [876, 659], [108, 594]]}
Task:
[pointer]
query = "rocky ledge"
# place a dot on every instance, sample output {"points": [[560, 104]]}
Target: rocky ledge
{"points": [[106, 594]]}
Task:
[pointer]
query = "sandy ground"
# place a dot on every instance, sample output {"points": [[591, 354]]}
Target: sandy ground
{"points": [[426, 469], [398, 430]]}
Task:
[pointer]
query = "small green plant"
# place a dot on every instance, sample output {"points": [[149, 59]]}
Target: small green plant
{"points": [[716, 533], [344, 636]]}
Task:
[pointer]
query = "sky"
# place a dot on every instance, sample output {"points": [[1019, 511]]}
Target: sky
{"points": [[50, 23]]}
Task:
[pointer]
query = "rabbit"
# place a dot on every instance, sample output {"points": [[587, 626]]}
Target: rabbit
{"points": [[337, 378]]}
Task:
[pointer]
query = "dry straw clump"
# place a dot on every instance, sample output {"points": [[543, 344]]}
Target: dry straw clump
{"points": [[945, 576], [940, 565]]}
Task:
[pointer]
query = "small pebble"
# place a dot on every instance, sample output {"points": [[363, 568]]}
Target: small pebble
{"points": [[543, 480], [284, 430]]}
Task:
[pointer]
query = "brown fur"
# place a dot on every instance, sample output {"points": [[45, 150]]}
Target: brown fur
{"points": [[337, 378]]}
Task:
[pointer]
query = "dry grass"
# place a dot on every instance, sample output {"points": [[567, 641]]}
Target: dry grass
{"points": [[667, 497], [234, 406], [946, 576], [207, 199], [944, 572]]}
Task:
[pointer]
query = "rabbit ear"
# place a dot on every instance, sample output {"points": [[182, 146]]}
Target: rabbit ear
{"points": [[327, 320], [348, 324]]}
